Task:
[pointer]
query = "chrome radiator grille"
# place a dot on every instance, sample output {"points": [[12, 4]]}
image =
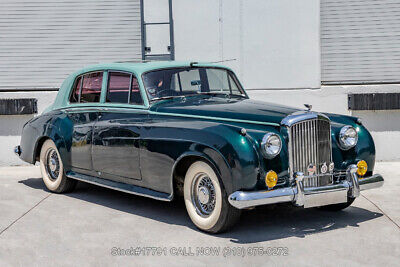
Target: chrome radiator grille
{"points": [[310, 145]]}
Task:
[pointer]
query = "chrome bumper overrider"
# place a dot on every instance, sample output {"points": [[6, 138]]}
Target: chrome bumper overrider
{"points": [[308, 197]]}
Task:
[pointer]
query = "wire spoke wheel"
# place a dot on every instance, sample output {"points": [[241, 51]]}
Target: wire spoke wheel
{"points": [[203, 194], [52, 164]]}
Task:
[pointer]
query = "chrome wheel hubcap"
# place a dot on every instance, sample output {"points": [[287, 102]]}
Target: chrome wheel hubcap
{"points": [[203, 195], [52, 164]]}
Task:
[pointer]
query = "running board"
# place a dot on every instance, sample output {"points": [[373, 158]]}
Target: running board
{"points": [[127, 188]]}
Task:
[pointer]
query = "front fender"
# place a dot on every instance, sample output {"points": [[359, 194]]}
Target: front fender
{"points": [[364, 150], [216, 161], [240, 155], [236, 172], [168, 140]]}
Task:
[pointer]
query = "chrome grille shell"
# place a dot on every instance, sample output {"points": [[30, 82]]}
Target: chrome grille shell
{"points": [[309, 143]]}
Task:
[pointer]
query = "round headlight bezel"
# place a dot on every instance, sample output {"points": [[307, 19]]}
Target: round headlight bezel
{"points": [[268, 141], [344, 137]]}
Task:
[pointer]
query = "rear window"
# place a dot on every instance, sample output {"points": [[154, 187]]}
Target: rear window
{"points": [[119, 85], [76, 90], [87, 88]]}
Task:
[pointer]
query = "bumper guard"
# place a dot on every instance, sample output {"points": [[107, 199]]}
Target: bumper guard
{"points": [[308, 197]]}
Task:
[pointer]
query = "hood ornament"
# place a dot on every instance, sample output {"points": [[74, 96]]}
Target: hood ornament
{"points": [[308, 106]]}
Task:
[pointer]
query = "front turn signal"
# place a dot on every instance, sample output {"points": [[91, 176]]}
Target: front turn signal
{"points": [[271, 179], [362, 167]]}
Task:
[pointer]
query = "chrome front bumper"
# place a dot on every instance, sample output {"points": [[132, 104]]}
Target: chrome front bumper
{"points": [[308, 197]]}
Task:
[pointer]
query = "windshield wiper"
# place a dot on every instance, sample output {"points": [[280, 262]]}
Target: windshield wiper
{"points": [[221, 93], [201, 93], [213, 93], [167, 97]]}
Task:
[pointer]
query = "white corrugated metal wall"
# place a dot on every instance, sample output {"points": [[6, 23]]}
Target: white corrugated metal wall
{"points": [[360, 41], [42, 41]]}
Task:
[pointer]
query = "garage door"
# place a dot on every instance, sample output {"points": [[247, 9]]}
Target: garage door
{"points": [[42, 41], [360, 41]]}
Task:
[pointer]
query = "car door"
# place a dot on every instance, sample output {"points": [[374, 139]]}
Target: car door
{"points": [[82, 115], [117, 132]]}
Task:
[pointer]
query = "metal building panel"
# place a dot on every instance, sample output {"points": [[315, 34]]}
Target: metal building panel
{"points": [[360, 41], [42, 41]]}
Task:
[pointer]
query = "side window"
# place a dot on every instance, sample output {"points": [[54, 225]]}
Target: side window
{"points": [[74, 98], [118, 89], [91, 87], [136, 97]]}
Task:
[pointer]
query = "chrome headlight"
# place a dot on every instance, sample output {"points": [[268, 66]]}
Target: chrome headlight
{"points": [[348, 137], [271, 145]]}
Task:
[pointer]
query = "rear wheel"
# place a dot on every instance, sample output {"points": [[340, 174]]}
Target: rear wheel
{"points": [[338, 207], [52, 169], [206, 200]]}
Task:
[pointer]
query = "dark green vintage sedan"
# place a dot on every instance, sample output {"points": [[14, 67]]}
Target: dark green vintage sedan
{"points": [[164, 129]]}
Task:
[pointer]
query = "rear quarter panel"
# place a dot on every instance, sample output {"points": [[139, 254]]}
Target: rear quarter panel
{"points": [[38, 129]]}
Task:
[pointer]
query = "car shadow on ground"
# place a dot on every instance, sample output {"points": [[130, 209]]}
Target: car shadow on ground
{"points": [[272, 222]]}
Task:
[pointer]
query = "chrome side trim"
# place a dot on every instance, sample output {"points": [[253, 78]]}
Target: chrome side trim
{"points": [[127, 188], [211, 118]]}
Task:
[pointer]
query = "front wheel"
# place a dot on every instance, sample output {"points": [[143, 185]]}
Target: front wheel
{"points": [[206, 200], [52, 169]]}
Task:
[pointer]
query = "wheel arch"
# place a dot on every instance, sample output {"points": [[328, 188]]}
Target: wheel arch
{"points": [[38, 147], [183, 163], [52, 134]]}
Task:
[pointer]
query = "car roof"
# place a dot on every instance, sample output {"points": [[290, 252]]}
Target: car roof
{"points": [[137, 68], [141, 67]]}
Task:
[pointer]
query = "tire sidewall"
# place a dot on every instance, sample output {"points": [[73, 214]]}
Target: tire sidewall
{"points": [[204, 223], [51, 184]]}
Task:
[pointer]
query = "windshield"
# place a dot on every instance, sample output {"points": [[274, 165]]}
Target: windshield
{"points": [[178, 82]]}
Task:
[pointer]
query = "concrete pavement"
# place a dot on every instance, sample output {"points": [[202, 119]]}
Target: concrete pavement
{"points": [[93, 224]]}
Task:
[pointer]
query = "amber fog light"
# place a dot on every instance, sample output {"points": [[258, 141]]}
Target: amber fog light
{"points": [[362, 167], [271, 179]]}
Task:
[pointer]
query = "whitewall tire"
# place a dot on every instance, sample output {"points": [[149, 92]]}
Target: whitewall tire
{"points": [[206, 200], [52, 169]]}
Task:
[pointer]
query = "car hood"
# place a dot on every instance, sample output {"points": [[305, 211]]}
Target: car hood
{"points": [[221, 107]]}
